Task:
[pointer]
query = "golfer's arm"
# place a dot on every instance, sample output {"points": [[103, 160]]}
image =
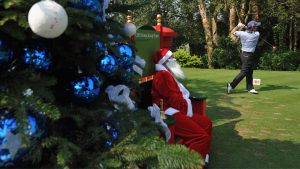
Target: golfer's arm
{"points": [[236, 29]]}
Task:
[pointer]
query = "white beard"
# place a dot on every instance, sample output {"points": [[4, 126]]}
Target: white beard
{"points": [[175, 69]]}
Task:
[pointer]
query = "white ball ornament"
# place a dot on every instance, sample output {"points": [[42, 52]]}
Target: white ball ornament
{"points": [[129, 29], [47, 19]]}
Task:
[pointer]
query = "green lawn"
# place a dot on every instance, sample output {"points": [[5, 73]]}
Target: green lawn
{"points": [[251, 131]]}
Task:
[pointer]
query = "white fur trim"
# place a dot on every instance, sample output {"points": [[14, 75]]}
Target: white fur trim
{"points": [[184, 91], [165, 58], [207, 158], [160, 67], [190, 108], [186, 95], [170, 111]]}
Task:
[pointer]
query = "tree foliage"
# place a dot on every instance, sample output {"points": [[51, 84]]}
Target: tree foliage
{"points": [[74, 129]]}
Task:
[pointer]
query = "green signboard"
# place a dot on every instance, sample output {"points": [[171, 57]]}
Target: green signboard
{"points": [[147, 44]]}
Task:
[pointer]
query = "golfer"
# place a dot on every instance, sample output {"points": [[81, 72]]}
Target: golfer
{"points": [[249, 39]]}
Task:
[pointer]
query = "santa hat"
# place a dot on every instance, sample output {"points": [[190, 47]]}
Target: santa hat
{"points": [[162, 56]]}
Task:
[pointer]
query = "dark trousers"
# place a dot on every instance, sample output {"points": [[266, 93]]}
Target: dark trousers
{"points": [[246, 70]]}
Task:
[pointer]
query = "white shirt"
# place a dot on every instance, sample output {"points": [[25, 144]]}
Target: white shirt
{"points": [[248, 40]]}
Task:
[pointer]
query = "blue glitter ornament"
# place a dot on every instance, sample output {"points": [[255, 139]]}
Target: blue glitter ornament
{"points": [[87, 88], [95, 6], [38, 58], [127, 76], [108, 65], [125, 56], [6, 54], [11, 147], [112, 132]]}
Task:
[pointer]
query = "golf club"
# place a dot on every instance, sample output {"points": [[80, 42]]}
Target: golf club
{"points": [[274, 47]]}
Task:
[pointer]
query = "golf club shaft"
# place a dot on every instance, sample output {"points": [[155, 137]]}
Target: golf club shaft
{"points": [[266, 42]]}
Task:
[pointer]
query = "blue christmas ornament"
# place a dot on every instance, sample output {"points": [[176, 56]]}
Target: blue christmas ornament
{"points": [[108, 143], [112, 132], [95, 6], [11, 147], [125, 55], [87, 88], [7, 124], [108, 65], [4, 155], [6, 54], [32, 126], [38, 58], [91, 5]]}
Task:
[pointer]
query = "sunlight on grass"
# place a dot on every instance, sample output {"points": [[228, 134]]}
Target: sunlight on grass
{"points": [[254, 131]]}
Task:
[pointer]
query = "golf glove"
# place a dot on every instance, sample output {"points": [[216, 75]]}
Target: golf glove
{"points": [[240, 25]]}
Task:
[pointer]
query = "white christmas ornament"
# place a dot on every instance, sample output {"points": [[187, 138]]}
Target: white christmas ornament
{"points": [[119, 95], [47, 19], [129, 29]]}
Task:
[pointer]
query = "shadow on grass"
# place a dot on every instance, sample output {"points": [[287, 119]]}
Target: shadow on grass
{"points": [[275, 87], [232, 151], [229, 149], [216, 95]]}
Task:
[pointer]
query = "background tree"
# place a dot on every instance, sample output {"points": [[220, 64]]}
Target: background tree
{"points": [[283, 17], [85, 126]]}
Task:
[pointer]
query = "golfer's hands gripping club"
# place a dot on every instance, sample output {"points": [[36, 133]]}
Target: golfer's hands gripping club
{"points": [[240, 25]]}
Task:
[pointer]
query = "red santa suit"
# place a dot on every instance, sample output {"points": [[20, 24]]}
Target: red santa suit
{"points": [[193, 129]]}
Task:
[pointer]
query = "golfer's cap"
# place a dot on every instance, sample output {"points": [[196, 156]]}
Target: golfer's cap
{"points": [[253, 23]]}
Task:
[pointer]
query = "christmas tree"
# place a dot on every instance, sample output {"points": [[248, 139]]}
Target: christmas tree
{"points": [[62, 67]]}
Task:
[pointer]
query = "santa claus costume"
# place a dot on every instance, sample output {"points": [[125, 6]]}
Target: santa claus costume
{"points": [[194, 130]]}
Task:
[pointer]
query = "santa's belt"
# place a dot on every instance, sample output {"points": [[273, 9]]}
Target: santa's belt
{"points": [[146, 79], [170, 111]]}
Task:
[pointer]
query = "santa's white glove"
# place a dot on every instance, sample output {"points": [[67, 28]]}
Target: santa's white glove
{"points": [[155, 113], [240, 25]]}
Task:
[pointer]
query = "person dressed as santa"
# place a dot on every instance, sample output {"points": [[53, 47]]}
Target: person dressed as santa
{"points": [[194, 130]]}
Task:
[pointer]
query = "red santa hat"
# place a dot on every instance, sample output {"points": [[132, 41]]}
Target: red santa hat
{"points": [[162, 56]]}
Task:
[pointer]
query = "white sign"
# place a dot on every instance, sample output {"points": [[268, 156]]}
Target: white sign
{"points": [[256, 81]]}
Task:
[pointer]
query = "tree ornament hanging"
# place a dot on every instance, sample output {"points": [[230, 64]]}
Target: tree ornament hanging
{"points": [[47, 19], [125, 55], [108, 65], [119, 97], [97, 7], [11, 147], [87, 88], [37, 57], [112, 133], [129, 28]]}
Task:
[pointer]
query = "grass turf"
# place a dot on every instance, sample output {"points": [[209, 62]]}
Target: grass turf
{"points": [[251, 131]]}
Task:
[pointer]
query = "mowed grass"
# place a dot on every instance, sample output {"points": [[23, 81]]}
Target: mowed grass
{"points": [[251, 131]]}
